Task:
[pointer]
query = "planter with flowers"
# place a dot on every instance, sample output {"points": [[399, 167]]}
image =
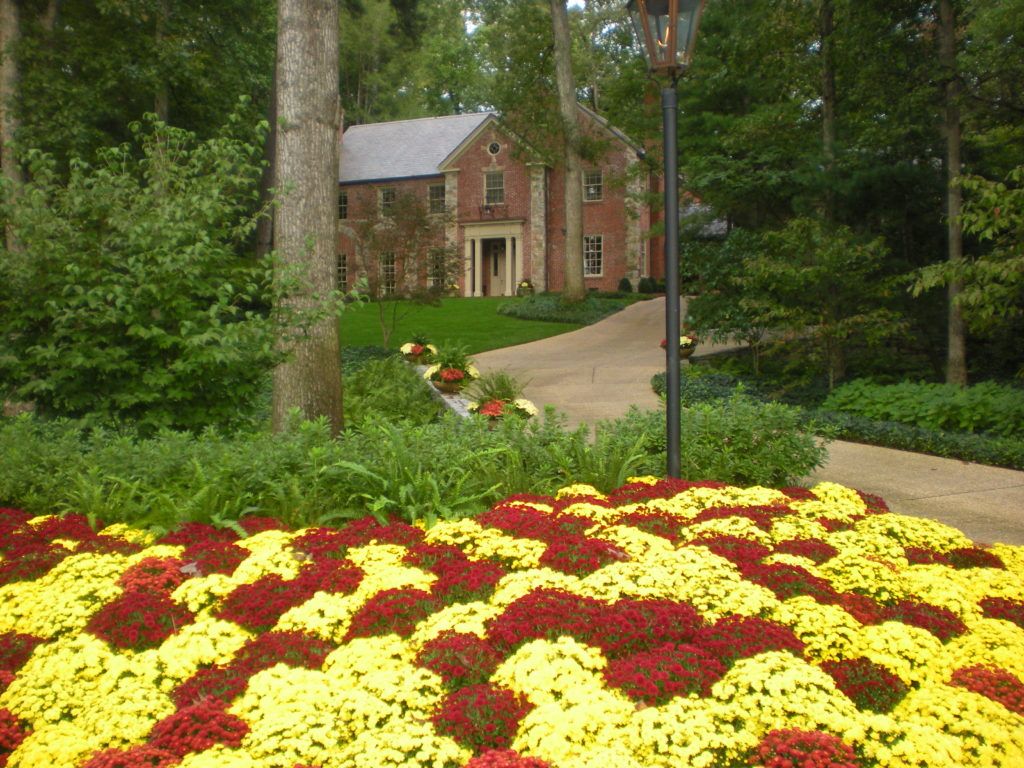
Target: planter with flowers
{"points": [[419, 350], [452, 371], [495, 408], [687, 344], [524, 288]]}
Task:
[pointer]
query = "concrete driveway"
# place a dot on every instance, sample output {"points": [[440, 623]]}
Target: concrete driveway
{"points": [[598, 372]]}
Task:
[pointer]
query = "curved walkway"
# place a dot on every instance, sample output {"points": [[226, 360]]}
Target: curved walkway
{"points": [[598, 372]]}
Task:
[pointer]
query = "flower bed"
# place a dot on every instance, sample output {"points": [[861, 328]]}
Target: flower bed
{"points": [[667, 624]]}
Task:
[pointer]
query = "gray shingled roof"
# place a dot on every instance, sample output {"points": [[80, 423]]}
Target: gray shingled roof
{"points": [[403, 149]]}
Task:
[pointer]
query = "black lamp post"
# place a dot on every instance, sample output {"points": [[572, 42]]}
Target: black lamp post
{"points": [[667, 31]]}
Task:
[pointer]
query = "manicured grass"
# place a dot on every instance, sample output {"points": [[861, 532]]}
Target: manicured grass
{"points": [[471, 323]]}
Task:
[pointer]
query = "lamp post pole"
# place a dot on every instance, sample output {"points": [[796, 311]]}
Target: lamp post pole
{"points": [[669, 112]]}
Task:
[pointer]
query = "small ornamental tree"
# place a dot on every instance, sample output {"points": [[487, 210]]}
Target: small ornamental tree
{"points": [[127, 295], [401, 253]]}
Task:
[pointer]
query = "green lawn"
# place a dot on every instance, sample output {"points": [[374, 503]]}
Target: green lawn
{"points": [[471, 323]]}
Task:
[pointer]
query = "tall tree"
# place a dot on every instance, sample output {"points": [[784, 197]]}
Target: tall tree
{"points": [[305, 227], [574, 289], [956, 352], [10, 33]]}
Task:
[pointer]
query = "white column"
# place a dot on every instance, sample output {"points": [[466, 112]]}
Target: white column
{"points": [[518, 265], [509, 286], [478, 261], [467, 283]]}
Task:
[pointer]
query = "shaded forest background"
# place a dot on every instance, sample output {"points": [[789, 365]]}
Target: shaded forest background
{"points": [[817, 135]]}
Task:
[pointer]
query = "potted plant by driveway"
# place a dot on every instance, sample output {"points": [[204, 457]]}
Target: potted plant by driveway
{"points": [[687, 343], [419, 350], [451, 371]]}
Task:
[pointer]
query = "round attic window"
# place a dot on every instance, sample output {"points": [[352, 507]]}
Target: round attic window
{"points": [[494, 147]]}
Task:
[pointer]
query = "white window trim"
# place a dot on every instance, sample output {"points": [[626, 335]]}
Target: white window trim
{"points": [[430, 200], [380, 200], [600, 185], [488, 190], [600, 239]]}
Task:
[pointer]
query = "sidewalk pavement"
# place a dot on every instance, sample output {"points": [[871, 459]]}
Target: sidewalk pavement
{"points": [[599, 371]]}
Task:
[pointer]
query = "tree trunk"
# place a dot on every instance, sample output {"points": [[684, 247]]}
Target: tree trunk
{"points": [[265, 226], [828, 105], [956, 356], [574, 289], [305, 228], [10, 32], [161, 98]]}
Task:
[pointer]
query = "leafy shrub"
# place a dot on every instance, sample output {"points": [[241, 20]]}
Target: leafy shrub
{"points": [[986, 407], [127, 297], [496, 385], [697, 385], [735, 440], [647, 285], [625, 286], [448, 468], [388, 389], [551, 308]]}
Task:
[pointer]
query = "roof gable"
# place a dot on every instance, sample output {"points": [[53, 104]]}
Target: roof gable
{"points": [[404, 148]]}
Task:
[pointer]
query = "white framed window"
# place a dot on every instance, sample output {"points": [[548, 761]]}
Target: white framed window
{"points": [[435, 196], [387, 200], [435, 270], [341, 265], [593, 186], [494, 188], [343, 204], [388, 274], [593, 255]]}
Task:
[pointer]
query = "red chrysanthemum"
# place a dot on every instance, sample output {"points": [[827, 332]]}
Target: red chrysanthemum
{"points": [[144, 756], [206, 557], [395, 611], [863, 608], [973, 557], [580, 555], [29, 560], [761, 516], [481, 717], [816, 550], [196, 728], [797, 493], [633, 626], [876, 504], [738, 637], [739, 551], [654, 677], [291, 647], [637, 493], [993, 683], [868, 685], [793, 748], [153, 574], [188, 534], [451, 375], [563, 503], [12, 733], [941, 622], [222, 683], [527, 523], [547, 614], [335, 543], [505, 758], [139, 620], [1004, 608], [662, 524], [466, 582], [788, 581], [492, 408], [460, 659], [435, 557], [15, 648]]}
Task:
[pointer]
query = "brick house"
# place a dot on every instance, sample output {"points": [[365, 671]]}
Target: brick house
{"points": [[503, 208]]}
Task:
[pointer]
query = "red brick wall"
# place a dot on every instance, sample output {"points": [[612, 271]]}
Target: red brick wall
{"points": [[607, 217]]}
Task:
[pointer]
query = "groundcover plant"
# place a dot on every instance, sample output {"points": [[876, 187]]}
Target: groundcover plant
{"points": [[666, 624]]}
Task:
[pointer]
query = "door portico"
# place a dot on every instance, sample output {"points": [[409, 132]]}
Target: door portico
{"points": [[493, 254]]}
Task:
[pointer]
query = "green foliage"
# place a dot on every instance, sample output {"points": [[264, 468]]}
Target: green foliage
{"points": [[699, 386], [450, 467], [980, 448], [496, 385], [625, 286], [993, 283], [735, 440], [550, 307], [126, 297], [986, 407], [388, 389], [354, 358]]}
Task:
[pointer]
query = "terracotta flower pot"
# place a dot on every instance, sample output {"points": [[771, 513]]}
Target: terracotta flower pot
{"points": [[448, 387]]}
